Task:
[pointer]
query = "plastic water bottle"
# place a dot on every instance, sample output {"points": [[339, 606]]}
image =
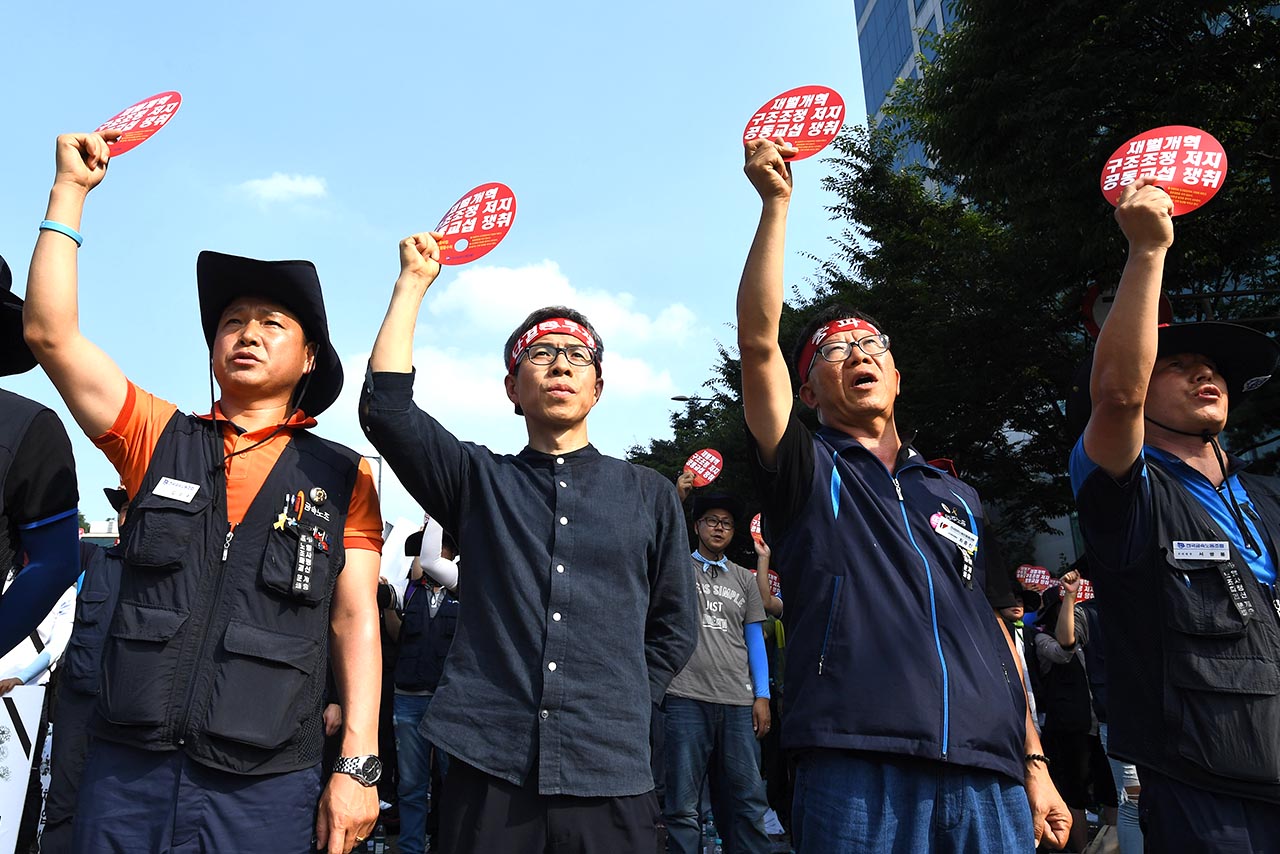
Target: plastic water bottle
{"points": [[718, 846], [379, 839], [708, 836]]}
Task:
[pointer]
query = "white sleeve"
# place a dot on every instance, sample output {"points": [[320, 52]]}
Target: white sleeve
{"points": [[432, 539], [442, 571]]}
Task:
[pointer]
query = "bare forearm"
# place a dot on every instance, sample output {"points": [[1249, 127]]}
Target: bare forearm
{"points": [[357, 667], [393, 348], [1065, 631], [760, 291], [1126, 349], [51, 310]]}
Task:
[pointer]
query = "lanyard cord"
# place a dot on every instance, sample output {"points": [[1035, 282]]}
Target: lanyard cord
{"points": [[1233, 506], [217, 432]]}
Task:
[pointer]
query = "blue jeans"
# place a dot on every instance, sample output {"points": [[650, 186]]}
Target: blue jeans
{"points": [[847, 803], [694, 732], [1128, 829], [413, 753]]}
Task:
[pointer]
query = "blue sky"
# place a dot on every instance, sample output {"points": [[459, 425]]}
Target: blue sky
{"points": [[329, 132]]}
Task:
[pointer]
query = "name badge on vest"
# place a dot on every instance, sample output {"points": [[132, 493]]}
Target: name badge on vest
{"points": [[178, 490], [950, 528], [1201, 550]]}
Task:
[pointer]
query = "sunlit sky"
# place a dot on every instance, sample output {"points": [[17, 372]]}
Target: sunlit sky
{"points": [[328, 132]]}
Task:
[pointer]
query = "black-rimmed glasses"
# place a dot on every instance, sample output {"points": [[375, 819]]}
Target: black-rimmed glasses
{"points": [[546, 354]]}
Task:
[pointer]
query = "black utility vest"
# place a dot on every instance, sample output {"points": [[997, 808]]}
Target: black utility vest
{"points": [[424, 639], [219, 644], [1193, 650], [96, 602]]}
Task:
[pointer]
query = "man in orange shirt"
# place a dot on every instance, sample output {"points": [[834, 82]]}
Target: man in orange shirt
{"points": [[251, 547]]}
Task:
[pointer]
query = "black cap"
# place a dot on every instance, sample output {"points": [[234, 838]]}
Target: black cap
{"points": [[717, 501], [118, 498], [295, 285], [15, 356]]}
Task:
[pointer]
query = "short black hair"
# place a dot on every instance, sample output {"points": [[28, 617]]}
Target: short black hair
{"points": [[548, 313], [834, 311]]}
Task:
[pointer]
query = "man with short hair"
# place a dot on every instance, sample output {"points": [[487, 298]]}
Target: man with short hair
{"points": [[903, 695], [250, 543], [718, 705], [579, 602], [1182, 547]]}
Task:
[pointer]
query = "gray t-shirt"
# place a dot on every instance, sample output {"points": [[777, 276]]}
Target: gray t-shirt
{"points": [[718, 671]]}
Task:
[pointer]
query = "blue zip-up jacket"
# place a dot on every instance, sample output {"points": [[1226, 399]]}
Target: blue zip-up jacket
{"points": [[891, 644]]}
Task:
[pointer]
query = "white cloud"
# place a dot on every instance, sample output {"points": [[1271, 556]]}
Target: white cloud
{"points": [[284, 188]]}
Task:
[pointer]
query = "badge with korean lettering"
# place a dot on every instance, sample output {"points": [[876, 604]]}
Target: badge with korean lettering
{"points": [[476, 223], [140, 122], [808, 117], [1187, 163], [948, 525], [178, 490]]}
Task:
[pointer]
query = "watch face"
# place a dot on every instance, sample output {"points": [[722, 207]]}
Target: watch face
{"points": [[371, 770]]}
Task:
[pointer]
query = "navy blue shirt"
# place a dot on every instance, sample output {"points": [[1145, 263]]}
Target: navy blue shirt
{"points": [[579, 602]]}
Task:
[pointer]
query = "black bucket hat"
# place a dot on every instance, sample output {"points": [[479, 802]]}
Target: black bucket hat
{"points": [[1030, 599], [15, 356], [1245, 357], [295, 285], [117, 498], [718, 501]]}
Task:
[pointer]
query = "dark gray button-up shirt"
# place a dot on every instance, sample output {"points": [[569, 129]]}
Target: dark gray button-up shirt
{"points": [[578, 605]]}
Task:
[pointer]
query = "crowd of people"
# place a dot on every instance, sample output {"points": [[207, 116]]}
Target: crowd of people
{"points": [[576, 662]]}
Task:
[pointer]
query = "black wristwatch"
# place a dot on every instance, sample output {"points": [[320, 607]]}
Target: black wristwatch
{"points": [[365, 769]]}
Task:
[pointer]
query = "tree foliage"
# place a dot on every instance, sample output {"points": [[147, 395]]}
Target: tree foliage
{"points": [[977, 263]]}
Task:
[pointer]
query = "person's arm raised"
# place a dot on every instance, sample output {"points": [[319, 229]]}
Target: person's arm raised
{"points": [[766, 385], [419, 266], [1126, 349], [92, 385]]}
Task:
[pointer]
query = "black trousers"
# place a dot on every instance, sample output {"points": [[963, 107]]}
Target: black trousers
{"points": [[1176, 817], [481, 814], [70, 746]]}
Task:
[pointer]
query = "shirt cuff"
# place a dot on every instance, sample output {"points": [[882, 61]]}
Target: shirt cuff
{"points": [[388, 389]]}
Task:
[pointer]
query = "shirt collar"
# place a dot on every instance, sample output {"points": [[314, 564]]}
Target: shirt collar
{"points": [[585, 454], [1235, 465], [841, 441]]}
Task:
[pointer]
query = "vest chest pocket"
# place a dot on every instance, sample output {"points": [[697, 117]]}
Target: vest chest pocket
{"points": [[1222, 697], [138, 664], [159, 531], [84, 648], [296, 564], [258, 690]]}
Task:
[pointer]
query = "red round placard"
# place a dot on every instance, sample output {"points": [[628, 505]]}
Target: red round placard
{"points": [[808, 117], [476, 223], [1187, 163], [756, 533], [705, 465], [141, 121]]}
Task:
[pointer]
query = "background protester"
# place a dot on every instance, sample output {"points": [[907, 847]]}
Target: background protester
{"points": [[579, 603], [1014, 606], [1182, 550], [79, 682], [1070, 736], [251, 542], [38, 496], [864, 528]]}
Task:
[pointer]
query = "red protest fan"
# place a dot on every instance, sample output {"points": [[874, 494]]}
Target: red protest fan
{"points": [[808, 117], [142, 121], [476, 223], [756, 532], [1187, 163], [706, 466]]}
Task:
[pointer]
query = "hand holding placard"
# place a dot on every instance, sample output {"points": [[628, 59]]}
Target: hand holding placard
{"points": [[141, 121], [1187, 163], [706, 466], [807, 117]]}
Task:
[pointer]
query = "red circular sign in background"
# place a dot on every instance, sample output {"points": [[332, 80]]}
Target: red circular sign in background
{"points": [[476, 223], [808, 117], [141, 121], [706, 466], [1187, 163]]}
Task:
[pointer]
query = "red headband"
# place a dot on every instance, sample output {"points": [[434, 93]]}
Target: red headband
{"points": [[553, 326], [848, 324]]}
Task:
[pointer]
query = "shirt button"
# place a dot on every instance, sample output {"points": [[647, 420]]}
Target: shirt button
{"points": [[545, 714], [563, 484], [551, 665], [564, 520], [556, 616], [560, 567], [559, 461]]}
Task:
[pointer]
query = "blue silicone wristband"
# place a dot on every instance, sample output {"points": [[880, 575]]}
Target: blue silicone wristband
{"points": [[50, 225]]}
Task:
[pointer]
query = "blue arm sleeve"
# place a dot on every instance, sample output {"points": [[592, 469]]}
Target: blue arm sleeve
{"points": [[53, 549], [757, 658]]}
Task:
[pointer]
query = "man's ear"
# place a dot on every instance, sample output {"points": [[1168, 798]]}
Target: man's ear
{"points": [[309, 363], [599, 388], [807, 397], [509, 382]]}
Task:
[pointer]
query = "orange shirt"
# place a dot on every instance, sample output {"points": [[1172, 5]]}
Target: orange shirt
{"points": [[132, 439]]}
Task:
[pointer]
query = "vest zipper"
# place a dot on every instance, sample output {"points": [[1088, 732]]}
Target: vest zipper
{"points": [[831, 616], [204, 635], [933, 616]]}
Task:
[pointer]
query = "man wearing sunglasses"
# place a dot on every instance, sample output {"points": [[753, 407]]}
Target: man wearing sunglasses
{"points": [[579, 602], [903, 697]]}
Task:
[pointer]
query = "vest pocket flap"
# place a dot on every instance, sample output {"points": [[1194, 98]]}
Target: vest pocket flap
{"points": [[293, 650], [1225, 675], [146, 623], [160, 529], [94, 596], [1197, 601]]}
